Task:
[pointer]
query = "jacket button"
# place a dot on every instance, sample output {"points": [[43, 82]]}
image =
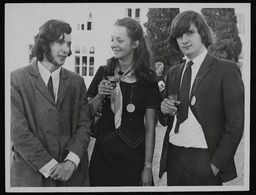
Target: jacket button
{"points": [[50, 109], [48, 131]]}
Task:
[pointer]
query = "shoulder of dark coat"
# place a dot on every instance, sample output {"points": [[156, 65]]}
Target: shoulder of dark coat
{"points": [[175, 67], [224, 63]]}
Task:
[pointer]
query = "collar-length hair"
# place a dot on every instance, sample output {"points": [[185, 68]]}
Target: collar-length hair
{"points": [[49, 32], [181, 24]]}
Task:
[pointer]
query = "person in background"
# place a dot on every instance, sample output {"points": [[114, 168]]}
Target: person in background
{"points": [[123, 151], [49, 115], [159, 66], [206, 124]]}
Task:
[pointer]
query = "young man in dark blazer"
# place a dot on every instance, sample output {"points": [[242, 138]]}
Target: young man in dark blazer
{"points": [[206, 124], [49, 116]]}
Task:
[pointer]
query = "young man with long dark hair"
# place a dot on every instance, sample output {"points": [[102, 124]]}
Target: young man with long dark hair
{"points": [[49, 115], [206, 122]]}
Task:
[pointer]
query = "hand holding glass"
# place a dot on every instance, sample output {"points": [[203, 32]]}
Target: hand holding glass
{"points": [[174, 99], [112, 80]]}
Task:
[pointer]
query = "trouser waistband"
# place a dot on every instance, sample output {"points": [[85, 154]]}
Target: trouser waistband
{"points": [[184, 149]]}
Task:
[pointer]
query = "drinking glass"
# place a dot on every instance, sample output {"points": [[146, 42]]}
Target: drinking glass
{"points": [[174, 99], [113, 81]]}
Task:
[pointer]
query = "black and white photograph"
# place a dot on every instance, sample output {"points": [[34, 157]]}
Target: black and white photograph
{"points": [[127, 97]]}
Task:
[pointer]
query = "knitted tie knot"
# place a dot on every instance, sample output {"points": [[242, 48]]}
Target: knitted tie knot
{"points": [[189, 64]]}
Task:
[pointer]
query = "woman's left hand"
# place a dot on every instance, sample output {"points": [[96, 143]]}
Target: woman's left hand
{"points": [[147, 177]]}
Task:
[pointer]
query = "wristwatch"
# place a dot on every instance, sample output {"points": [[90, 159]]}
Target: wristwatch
{"points": [[148, 165]]}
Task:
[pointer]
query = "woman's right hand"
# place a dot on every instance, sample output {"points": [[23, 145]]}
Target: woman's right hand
{"points": [[105, 88]]}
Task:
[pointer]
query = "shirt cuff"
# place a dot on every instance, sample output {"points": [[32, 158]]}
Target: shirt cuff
{"points": [[45, 170], [73, 157]]}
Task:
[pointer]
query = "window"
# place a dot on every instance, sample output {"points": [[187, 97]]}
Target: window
{"points": [[91, 71], [128, 12], [84, 66], [86, 24], [91, 62], [133, 13], [89, 21], [89, 25], [84, 62], [91, 66], [77, 60], [77, 64], [92, 50], [137, 13]]}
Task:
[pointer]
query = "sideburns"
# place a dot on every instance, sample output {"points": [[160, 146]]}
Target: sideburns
{"points": [[49, 56]]}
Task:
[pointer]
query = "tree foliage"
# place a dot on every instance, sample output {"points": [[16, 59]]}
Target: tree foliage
{"points": [[157, 33], [223, 21]]}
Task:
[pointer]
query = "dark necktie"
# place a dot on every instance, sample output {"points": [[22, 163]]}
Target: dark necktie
{"points": [[184, 97], [50, 87]]}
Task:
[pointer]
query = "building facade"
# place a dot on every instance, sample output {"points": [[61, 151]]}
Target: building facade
{"points": [[91, 32]]}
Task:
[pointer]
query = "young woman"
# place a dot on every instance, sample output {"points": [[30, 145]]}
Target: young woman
{"points": [[123, 151]]}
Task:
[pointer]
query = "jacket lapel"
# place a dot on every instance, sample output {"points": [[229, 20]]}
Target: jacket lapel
{"points": [[203, 71], [40, 85], [63, 86], [175, 79], [174, 88], [178, 79]]}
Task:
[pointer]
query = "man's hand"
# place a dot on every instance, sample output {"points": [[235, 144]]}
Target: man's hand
{"points": [[168, 107], [215, 170], [63, 171]]}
